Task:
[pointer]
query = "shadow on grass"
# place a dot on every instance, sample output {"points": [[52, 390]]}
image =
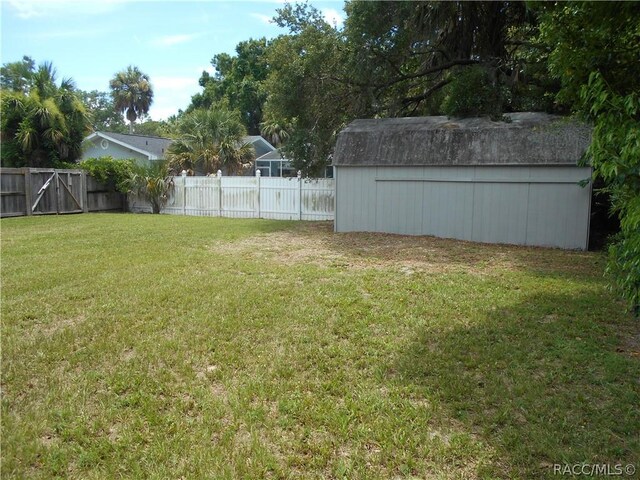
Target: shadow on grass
{"points": [[538, 391]]}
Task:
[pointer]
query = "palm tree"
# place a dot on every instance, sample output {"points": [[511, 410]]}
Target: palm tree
{"points": [[211, 139], [132, 93], [44, 124], [153, 183], [276, 132]]}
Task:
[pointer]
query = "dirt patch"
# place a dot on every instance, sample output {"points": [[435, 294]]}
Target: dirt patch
{"points": [[60, 324], [316, 243]]}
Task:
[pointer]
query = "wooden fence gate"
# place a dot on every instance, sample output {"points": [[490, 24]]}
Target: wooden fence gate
{"points": [[54, 191], [47, 191]]}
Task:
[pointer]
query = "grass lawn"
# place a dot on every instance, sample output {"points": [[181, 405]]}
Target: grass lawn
{"points": [[140, 346]]}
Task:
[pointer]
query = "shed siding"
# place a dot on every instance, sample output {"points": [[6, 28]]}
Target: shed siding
{"points": [[524, 205]]}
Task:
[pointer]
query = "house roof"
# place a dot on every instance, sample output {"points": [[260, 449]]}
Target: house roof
{"points": [[525, 139], [156, 147], [152, 147], [273, 155]]}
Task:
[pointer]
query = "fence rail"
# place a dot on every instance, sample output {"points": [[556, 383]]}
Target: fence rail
{"points": [[248, 197], [46, 191]]}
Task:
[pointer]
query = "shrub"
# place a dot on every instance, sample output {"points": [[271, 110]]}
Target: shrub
{"points": [[113, 172], [153, 183]]}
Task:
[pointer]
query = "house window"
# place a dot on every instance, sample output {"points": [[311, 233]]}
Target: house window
{"points": [[104, 144], [264, 167]]}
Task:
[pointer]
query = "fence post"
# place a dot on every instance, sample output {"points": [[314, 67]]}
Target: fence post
{"points": [[184, 192], [257, 207], [27, 190], [299, 194], [84, 192], [58, 200], [219, 175]]}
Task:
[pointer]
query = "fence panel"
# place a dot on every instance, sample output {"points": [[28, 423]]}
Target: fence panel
{"points": [[46, 191], [318, 199], [12, 186], [239, 197], [102, 198], [248, 197], [279, 198]]}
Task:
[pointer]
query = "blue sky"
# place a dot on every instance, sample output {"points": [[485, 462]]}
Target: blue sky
{"points": [[171, 41]]}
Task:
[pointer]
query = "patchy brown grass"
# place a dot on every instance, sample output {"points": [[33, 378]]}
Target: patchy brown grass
{"points": [[316, 243]]}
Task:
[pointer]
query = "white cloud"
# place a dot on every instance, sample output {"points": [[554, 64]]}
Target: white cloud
{"points": [[171, 94], [170, 40], [209, 69], [40, 8], [332, 17], [266, 19]]}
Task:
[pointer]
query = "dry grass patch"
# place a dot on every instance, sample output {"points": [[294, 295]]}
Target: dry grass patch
{"points": [[316, 243]]}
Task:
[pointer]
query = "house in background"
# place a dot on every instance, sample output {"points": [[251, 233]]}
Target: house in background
{"points": [[273, 164], [146, 149], [260, 145], [142, 148]]}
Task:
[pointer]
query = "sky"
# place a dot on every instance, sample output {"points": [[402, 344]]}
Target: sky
{"points": [[172, 41]]}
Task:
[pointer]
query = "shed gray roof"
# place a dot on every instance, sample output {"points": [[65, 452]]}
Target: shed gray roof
{"points": [[528, 139]]}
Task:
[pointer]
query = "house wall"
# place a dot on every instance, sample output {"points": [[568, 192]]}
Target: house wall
{"points": [[523, 205], [94, 150]]}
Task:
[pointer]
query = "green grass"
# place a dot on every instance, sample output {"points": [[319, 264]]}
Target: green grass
{"points": [[140, 346]]}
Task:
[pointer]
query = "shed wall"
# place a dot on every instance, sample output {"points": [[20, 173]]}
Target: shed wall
{"points": [[523, 205]]}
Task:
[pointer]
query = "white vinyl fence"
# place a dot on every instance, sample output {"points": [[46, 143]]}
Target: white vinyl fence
{"points": [[249, 197]]}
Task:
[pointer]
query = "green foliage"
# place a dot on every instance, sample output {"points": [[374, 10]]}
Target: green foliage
{"points": [[307, 104], [132, 93], [153, 183], [18, 76], [210, 140], [109, 171], [102, 112], [473, 93], [402, 54], [594, 53], [238, 80], [44, 123], [615, 157], [155, 128], [624, 266]]}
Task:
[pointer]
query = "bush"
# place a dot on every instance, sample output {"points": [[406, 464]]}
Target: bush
{"points": [[624, 266], [115, 173], [153, 183]]}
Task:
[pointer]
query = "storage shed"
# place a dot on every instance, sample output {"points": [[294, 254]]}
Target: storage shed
{"points": [[514, 181]]}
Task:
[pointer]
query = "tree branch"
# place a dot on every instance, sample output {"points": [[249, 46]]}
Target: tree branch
{"points": [[428, 71], [418, 98]]}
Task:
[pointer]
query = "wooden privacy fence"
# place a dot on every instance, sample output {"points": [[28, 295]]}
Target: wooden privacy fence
{"points": [[46, 191], [249, 197]]}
